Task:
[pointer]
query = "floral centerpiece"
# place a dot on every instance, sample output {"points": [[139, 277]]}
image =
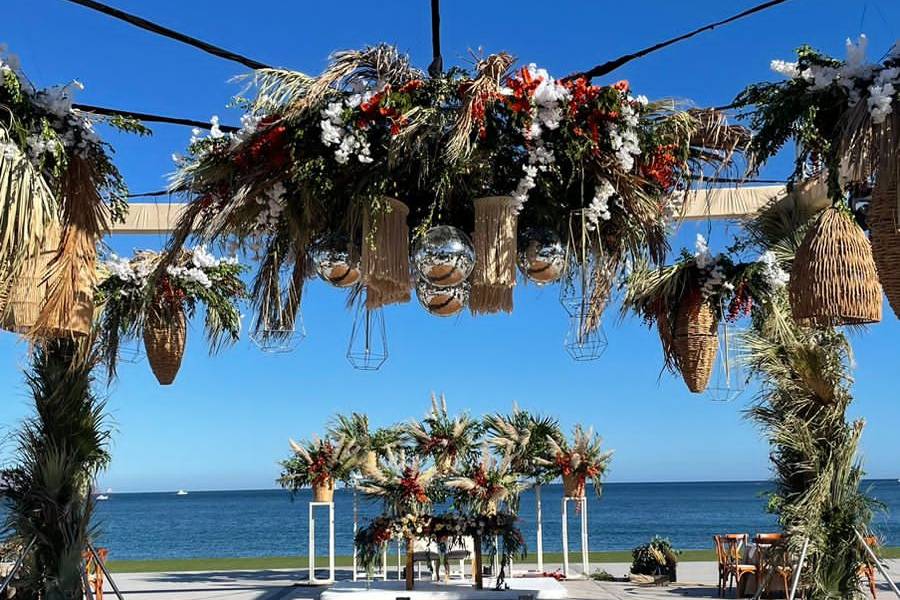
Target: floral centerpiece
{"points": [[135, 303], [318, 463], [60, 191], [479, 487], [443, 438], [522, 439], [655, 558], [371, 445], [579, 460]]}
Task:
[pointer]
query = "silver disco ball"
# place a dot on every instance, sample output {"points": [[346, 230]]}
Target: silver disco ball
{"points": [[541, 256], [333, 262], [444, 256], [442, 301]]}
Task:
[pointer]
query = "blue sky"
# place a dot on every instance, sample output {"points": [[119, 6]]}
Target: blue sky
{"points": [[226, 421]]}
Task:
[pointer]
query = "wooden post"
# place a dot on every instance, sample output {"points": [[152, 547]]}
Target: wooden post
{"points": [[479, 579], [410, 576]]}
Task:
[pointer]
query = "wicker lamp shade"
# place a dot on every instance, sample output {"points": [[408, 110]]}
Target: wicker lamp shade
{"points": [[164, 340], [494, 275], [882, 221], [833, 279], [28, 287], [385, 258], [696, 342]]}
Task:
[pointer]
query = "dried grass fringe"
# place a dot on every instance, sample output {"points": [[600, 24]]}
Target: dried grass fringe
{"points": [[494, 275], [28, 287], [385, 258], [882, 221], [833, 280]]}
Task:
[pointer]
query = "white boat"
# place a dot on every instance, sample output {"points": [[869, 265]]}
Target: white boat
{"points": [[102, 497], [181, 493]]}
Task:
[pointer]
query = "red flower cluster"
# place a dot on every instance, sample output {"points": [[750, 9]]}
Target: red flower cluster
{"points": [[661, 167], [741, 303], [268, 147], [375, 107], [171, 295], [412, 487], [522, 87], [583, 106], [564, 462], [319, 466]]}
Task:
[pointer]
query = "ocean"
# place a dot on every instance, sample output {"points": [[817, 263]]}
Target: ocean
{"points": [[268, 523]]}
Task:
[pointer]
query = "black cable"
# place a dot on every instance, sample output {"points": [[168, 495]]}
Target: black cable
{"points": [[155, 194], [149, 118], [170, 33], [612, 65], [437, 63]]}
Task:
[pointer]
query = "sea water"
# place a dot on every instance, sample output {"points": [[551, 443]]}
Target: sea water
{"points": [[268, 523]]}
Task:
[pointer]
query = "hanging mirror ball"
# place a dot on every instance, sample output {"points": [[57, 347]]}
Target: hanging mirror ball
{"points": [[541, 256], [443, 301], [444, 256], [333, 263]]}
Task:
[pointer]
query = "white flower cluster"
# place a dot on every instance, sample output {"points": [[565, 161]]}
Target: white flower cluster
{"points": [[133, 273], [204, 259], [190, 274], [772, 272], [350, 140], [598, 210], [546, 112], [9, 150], [856, 76], [272, 202], [672, 207], [249, 125], [713, 270], [625, 141]]}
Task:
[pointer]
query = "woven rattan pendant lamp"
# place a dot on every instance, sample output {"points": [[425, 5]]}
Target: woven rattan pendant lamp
{"points": [[833, 278]]}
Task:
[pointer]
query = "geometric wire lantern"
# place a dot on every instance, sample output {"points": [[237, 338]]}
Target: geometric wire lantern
{"points": [[582, 344], [367, 350], [278, 340], [729, 377]]}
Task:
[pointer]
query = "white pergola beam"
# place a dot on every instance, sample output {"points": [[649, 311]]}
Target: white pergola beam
{"points": [[718, 204]]}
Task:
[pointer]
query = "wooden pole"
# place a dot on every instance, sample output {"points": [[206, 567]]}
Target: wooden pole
{"points": [[479, 578], [410, 576]]}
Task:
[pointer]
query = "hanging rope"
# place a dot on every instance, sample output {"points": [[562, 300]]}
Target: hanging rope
{"points": [[170, 33], [612, 65], [437, 63], [149, 118]]}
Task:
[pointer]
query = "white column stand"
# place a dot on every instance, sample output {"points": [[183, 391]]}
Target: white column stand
{"points": [[582, 504], [384, 558], [540, 530], [399, 562], [312, 542], [355, 528]]}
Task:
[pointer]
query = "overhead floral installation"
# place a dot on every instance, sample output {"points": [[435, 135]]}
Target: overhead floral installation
{"points": [[373, 175], [59, 193], [135, 303]]}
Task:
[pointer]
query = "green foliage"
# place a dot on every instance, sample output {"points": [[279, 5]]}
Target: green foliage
{"points": [[317, 462], [59, 452], [655, 556], [522, 438]]}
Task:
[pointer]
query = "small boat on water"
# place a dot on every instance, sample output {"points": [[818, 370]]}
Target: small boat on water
{"points": [[102, 497], [181, 493]]}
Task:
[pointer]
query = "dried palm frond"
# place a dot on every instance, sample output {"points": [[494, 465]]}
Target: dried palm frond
{"points": [[277, 88], [27, 206], [72, 273], [479, 92]]}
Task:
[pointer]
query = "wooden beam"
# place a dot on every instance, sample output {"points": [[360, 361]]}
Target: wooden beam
{"points": [[717, 204]]}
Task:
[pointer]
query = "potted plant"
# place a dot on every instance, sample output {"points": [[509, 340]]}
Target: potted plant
{"points": [[136, 304], [318, 463], [579, 460], [371, 445], [656, 559], [442, 438]]}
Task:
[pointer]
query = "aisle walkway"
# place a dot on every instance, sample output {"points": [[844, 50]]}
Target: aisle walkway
{"points": [[696, 580]]}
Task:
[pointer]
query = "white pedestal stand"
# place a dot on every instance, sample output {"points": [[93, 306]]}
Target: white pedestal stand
{"points": [[585, 566], [384, 566], [312, 542], [540, 530]]}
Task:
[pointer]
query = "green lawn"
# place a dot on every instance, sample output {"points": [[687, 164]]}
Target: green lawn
{"points": [[300, 562]]}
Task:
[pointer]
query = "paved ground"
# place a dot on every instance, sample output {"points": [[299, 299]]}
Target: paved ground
{"points": [[696, 580]]}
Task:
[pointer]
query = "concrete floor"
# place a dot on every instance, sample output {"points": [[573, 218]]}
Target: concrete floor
{"points": [[696, 580]]}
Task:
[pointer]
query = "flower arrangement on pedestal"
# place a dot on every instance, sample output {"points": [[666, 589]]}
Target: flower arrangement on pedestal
{"points": [[484, 486], [522, 438], [319, 463], [59, 191], [442, 438], [137, 302], [579, 460]]}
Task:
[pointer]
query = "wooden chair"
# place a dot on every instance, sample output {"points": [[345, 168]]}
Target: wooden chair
{"points": [[94, 572], [772, 560], [867, 569], [730, 558]]}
